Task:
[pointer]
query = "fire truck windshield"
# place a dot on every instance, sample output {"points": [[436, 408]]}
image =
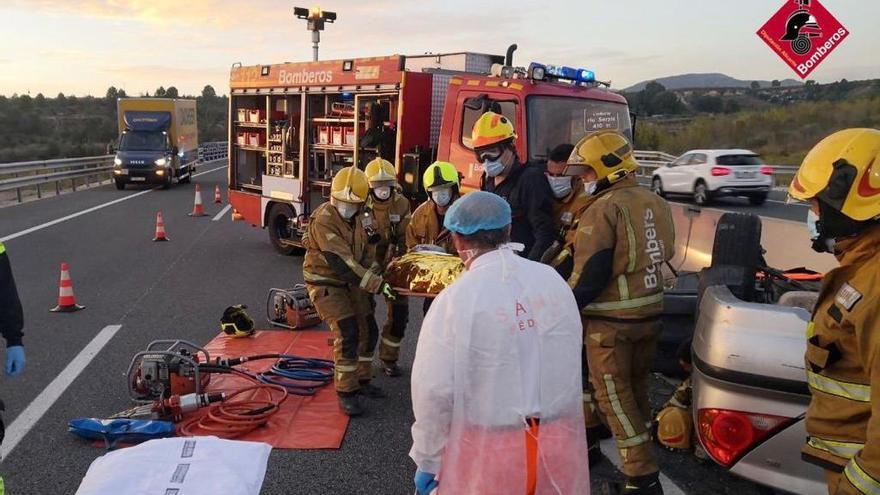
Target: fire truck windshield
{"points": [[555, 120]]}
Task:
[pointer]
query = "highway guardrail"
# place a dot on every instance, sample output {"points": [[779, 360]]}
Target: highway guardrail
{"points": [[22, 177]]}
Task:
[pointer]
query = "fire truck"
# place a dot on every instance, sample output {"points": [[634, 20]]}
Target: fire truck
{"points": [[292, 126]]}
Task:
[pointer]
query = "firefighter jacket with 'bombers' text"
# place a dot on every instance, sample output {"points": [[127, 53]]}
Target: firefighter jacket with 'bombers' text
{"points": [[622, 240], [388, 219], [843, 345], [337, 252], [426, 227]]}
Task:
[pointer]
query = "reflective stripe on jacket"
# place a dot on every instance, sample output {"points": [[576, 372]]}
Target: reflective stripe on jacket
{"points": [[329, 235]]}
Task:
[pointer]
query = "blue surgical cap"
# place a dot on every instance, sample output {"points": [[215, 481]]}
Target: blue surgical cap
{"points": [[476, 211]]}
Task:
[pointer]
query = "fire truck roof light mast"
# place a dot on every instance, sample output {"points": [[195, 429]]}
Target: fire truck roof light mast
{"points": [[316, 19], [541, 72]]}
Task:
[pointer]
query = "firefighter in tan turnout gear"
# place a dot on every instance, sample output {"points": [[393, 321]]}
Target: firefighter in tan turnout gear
{"points": [[385, 219], [840, 177], [340, 283], [441, 181], [570, 201], [622, 239]]}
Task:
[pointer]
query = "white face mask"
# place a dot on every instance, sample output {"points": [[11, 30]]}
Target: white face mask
{"points": [[346, 210], [819, 244], [561, 186], [590, 187], [382, 192], [441, 197]]}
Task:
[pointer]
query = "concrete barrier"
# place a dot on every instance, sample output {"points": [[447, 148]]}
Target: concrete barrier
{"points": [[786, 243]]}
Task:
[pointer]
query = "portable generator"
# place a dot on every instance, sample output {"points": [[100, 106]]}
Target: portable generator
{"points": [[166, 368], [291, 308]]}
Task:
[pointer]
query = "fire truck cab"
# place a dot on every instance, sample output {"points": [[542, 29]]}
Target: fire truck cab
{"points": [[292, 126]]}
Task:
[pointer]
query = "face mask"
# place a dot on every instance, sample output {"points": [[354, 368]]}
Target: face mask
{"points": [[561, 186], [820, 244], [493, 168], [441, 197], [382, 193], [346, 210], [812, 221], [590, 187]]}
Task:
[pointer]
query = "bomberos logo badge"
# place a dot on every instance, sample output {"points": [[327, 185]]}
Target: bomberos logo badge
{"points": [[803, 33]]}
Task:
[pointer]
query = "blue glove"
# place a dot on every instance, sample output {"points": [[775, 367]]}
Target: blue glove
{"points": [[14, 360], [425, 482]]}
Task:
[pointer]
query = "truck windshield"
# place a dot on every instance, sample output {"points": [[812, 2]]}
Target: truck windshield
{"points": [[143, 141], [555, 120]]}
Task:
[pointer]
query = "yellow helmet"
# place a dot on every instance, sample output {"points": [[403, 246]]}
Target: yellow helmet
{"points": [[608, 153], [350, 185], [380, 171], [675, 427], [490, 129], [440, 174], [843, 170]]}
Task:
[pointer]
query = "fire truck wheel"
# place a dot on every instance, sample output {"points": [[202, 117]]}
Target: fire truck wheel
{"points": [[278, 223], [120, 185]]}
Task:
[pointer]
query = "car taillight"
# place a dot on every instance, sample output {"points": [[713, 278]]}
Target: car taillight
{"points": [[767, 170], [728, 435], [718, 171]]}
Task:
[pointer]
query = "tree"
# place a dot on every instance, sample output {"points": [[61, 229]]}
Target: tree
{"points": [[731, 106], [208, 92], [171, 92], [709, 104], [775, 83], [121, 93], [39, 99], [810, 82], [755, 85], [112, 93], [160, 92]]}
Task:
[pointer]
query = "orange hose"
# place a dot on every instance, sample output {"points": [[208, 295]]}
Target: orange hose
{"points": [[235, 417]]}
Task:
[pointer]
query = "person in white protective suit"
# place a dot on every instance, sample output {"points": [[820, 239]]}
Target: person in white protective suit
{"points": [[496, 383]]}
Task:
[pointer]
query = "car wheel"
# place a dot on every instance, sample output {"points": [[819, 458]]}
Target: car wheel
{"points": [[278, 224], [701, 194], [657, 187], [168, 180], [758, 200], [736, 255], [188, 178], [120, 185]]}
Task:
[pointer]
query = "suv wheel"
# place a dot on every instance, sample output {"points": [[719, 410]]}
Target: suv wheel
{"points": [[657, 187], [701, 194]]}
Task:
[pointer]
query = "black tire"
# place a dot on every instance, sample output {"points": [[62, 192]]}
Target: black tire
{"points": [[657, 187], [278, 223], [736, 255], [188, 178], [169, 180], [758, 199], [120, 185], [702, 195]]}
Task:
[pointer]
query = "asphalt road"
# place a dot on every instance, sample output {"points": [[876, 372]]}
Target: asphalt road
{"points": [[179, 289]]}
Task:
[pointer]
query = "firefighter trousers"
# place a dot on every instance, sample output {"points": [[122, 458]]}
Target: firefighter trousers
{"points": [[395, 327], [838, 484], [353, 329], [620, 356], [591, 414]]}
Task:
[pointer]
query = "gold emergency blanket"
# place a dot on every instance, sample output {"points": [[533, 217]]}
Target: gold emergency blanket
{"points": [[424, 272]]}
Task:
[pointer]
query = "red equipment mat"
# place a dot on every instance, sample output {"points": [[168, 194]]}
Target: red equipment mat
{"points": [[314, 422]]}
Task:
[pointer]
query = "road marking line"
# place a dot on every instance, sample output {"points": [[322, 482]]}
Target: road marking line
{"points": [[87, 211], [29, 417], [609, 449], [224, 210]]}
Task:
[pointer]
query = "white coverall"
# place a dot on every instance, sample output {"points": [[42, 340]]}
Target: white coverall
{"points": [[500, 345]]}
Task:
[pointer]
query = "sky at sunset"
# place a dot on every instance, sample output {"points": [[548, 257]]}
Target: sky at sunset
{"points": [[82, 47]]}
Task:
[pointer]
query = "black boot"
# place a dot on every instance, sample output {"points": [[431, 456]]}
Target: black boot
{"points": [[391, 369], [594, 454], [648, 484], [350, 403], [371, 391]]}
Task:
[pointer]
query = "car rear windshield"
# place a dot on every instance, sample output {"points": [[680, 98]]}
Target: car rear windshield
{"points": [[555, 120], [142, 141], [733, 160]]}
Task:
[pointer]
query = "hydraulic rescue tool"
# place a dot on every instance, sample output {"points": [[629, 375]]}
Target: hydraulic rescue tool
{"points": [[291, 308]]}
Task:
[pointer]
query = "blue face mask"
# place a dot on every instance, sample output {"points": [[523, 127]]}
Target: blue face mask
{"points": [[493, 168]]}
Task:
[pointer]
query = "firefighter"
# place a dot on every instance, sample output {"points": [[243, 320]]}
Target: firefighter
{"points": [[339, 282], [840, 178], [441, 181], [385, 218], [11, 323], [523, 186], [622, 239], [570, 202]]}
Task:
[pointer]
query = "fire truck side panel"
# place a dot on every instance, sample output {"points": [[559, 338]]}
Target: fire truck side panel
{"points": [[247, 205], [415, 113]]}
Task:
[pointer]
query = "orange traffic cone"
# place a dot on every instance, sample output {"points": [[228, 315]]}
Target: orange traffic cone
{"points": [[217, 198], [198, 207], [160, 229], [66, 299]]}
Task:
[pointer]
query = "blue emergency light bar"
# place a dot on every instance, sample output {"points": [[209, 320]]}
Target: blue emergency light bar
{"points": [[541, 72]]}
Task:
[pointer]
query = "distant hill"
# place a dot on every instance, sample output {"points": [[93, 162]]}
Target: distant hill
{"points": [[712, 80]]}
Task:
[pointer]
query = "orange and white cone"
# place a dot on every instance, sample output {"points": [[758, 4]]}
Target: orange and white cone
{"points": [[160, 229], [198, 207], [217, 198], [66, 299]]}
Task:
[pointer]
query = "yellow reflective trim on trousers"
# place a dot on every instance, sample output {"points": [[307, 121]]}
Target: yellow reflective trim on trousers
{"points": [[851, 391], [611, 389], [864, 482], [628, 304], [846, 450], [634, 441], [630, 240], [810, 330], [346, 368], [623, 288], [365, 359], [390, 343], [2, 250]]}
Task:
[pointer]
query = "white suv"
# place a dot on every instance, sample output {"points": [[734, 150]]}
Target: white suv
{"points": [[708, 174]]}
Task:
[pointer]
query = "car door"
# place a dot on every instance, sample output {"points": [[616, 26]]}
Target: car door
{"points": [[695, 169], [672, 174]]}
